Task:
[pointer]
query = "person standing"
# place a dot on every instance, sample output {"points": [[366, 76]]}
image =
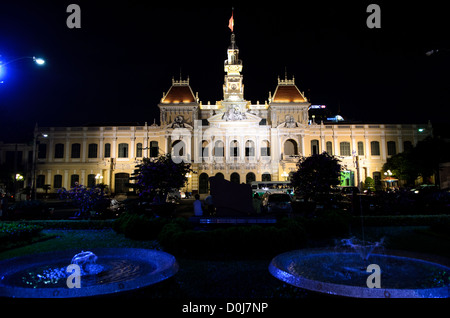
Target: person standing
{"points": [[198, 209]]}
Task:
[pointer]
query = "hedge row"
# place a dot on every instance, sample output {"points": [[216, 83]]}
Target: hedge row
{"points": [[401, 220], [242, 241], [71, 224], [11, 232]]}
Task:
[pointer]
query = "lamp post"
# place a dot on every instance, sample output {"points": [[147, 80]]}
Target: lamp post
{"points": [[98, 178], [35, 153], [431, 52], [39, 61], [285, 175], [189, 176]]}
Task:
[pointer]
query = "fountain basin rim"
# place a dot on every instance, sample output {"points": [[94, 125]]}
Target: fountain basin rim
{"points": [[348, 290], [165, 263]]}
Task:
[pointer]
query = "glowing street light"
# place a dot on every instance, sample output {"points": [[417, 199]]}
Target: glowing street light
{"points": [[38, 60]]}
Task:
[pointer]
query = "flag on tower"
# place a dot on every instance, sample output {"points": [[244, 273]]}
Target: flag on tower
{"points": [[231, 22]]}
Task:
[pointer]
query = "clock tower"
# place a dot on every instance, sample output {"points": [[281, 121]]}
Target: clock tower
{"points": [[233, 89]]}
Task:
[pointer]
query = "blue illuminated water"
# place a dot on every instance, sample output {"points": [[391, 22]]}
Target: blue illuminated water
{"points": [[345, 274]]}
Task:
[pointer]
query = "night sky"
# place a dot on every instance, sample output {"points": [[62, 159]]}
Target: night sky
{"points": [[116, 67]]}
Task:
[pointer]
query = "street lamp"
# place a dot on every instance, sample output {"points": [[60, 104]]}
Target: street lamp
{"points": [[431, 52], [98, 178], [38, 60], [285, 175], [35, 154]]}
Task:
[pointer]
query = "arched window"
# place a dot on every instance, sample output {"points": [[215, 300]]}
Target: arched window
{"points": [[218, 149], [314, 147], [360, 148], [345, 149], [107, 150], [266, 177], [154, 149], [235, 177], [138, 150], [375, 148], [329, 146], [203, 183], [178, 148], [250, 177], [290, 148], [249, 148], [123, 150], [265, 148], [204, 150], [391, 148], [234, 148]]}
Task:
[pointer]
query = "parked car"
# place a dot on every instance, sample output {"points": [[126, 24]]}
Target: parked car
{"points": [[277, 203]]}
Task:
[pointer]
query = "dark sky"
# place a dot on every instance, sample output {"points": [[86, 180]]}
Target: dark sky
{"points": [[116, 67]]}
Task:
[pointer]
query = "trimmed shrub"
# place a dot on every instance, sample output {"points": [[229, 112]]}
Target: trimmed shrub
{"points": [[243, 241]]}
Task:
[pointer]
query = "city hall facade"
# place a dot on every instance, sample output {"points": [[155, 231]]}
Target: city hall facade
{"points": [[232, 137]]}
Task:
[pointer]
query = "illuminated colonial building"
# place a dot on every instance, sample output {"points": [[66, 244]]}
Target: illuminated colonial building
{"points": [[242, 141]]}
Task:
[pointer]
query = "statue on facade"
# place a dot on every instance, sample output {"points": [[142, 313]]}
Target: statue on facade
{"points": [[233, 114], [290, 122]]}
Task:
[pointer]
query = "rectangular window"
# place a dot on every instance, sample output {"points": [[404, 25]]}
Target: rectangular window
{"points": [[42, 151], [76, 151], [92, 151], [59, 151], [74, 179], [40, 181], [57, 181]]}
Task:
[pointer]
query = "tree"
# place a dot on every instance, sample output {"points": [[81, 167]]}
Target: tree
{"points": [[403, 167], [421, 161], [369, 184], [316, 175], [156, 177], [84, 198]]}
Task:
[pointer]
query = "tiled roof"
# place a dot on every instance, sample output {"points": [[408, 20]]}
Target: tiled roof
{"points": [[287, 92], [179, 92]]}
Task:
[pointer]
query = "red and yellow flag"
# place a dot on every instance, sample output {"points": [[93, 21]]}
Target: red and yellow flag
{"points": [[231, 23]]}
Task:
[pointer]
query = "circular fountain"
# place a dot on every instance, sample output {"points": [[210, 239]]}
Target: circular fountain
{"points": [[346, 274], [100, 271]]}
